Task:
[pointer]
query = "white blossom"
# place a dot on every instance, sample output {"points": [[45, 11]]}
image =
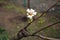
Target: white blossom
{"points": [[31, 13]]}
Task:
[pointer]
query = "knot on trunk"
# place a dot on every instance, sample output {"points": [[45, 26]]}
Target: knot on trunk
{"points": [[22, 33]]}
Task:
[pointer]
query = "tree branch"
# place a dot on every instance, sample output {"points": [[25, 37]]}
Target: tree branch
{"points": [[23, 32], [41, 15], [45, 27], [45, 38], [33, 21]]}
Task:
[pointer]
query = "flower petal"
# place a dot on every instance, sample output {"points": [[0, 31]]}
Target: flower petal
{"points": [[29, 17], [34, 13], [27, 13], [28, 10], [32, 10]]}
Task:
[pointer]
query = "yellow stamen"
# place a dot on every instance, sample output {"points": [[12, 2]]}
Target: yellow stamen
{"points": [[30, 14]]}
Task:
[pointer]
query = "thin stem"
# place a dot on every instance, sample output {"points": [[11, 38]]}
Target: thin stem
{"points": [[28, 4]]}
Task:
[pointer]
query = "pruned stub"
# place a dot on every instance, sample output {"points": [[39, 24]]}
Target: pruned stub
{"points": [[22, 33]]}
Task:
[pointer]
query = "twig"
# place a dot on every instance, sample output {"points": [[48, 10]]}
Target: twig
{"points": [[28, 4], [23, 30], [33, 21], [45, 38], [40, 15], [46, 27]]}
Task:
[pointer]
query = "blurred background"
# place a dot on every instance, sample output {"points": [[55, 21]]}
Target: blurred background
{"points": [[13, 18]]}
